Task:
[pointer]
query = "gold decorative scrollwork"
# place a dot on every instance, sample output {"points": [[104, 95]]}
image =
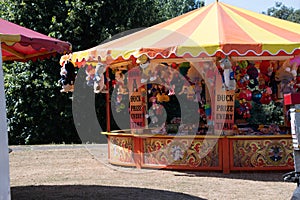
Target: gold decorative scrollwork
{"points": [[262, 153], [187, 152]]}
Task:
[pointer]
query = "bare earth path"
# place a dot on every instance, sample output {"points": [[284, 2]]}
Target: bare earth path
{"points": [[76, 172]]}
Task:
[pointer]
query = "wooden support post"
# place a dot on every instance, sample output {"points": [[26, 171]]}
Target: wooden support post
{"points": [[226, 155], [107, 103], [138, 149], [108, 147]]}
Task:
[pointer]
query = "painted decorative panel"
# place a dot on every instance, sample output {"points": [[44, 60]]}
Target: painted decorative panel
{"points": [[121, 149], [184, 152], [263, 153]]}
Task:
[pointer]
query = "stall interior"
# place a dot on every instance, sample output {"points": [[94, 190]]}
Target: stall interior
{"points": [[246, 96]]}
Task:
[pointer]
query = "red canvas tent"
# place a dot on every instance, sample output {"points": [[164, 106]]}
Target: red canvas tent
{"points": [[19, 44], [22, 44]]}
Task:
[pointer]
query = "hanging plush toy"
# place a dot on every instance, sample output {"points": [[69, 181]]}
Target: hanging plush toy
{"points": [[291, 65], [241, 76], [287, 87], [245, 94], [273, 83], [162, 97], [194, 77], [188, 90], [173, 76], [67, 79], [193, 74], [287, 75], [265, 98], [152, 112], [176, 83], [253, 75], [209, 73], [244, 109], [120, 106], [266, 70], [144, 62], [163, 73], [90, 75], [265, 90], [242, 80], [145, 72], [63, 81], [166, 77], [228, 74], [156, 72], [297, 82], [99, 85], [171, 87], [198, 91], [241, 67], [120, 85], [256, 96], [284, 79]]}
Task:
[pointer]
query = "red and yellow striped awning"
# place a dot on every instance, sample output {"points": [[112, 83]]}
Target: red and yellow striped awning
{"points": [[214, 30], [22, 44]]}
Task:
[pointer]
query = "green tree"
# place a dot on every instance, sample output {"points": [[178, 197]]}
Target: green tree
{"points": [[170, 9], [37, 112], [283, 12]]}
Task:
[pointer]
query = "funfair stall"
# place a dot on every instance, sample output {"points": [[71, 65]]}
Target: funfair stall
{"points": [[202, 91]]}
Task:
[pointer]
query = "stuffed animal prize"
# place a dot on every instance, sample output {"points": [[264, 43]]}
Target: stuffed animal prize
{"points": [[228, 74], [67, 79]]}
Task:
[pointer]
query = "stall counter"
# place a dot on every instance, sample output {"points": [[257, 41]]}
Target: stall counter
{"points": [[201, 153]]}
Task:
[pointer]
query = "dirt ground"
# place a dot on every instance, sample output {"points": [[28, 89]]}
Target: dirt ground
{"points": [[75, 172]]}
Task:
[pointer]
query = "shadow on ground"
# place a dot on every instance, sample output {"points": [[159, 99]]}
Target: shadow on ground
{"points": [[46, 192], [274, 176]]}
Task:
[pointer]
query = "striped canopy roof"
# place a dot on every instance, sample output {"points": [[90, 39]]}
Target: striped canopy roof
{"points": [[21, 44], [214, 30]]}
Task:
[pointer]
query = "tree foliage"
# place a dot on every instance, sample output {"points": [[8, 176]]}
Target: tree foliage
{"points": [[37, 112], [283, 12], [170, 9]]}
